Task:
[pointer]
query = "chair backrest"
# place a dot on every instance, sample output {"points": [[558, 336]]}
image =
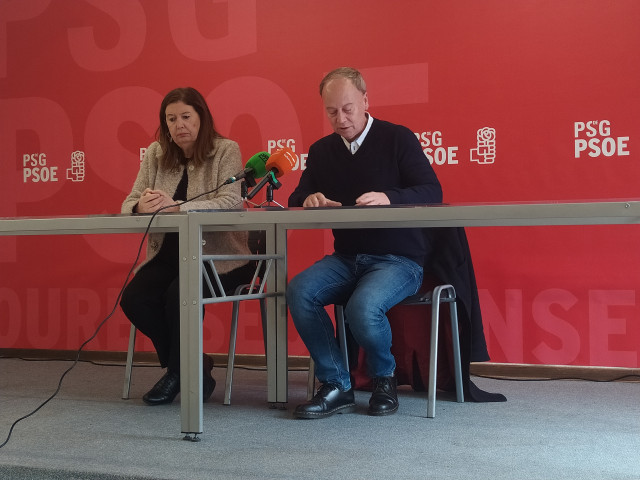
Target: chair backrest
{"points": [[250, 278]]}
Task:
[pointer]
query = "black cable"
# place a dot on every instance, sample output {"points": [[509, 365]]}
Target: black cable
{"points": [[257, 368], [115, 306]]}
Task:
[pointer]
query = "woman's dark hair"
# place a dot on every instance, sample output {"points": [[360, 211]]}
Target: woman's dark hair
{"points": [[207, 135]]}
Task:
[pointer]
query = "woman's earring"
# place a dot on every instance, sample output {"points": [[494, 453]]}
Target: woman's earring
{"points": [[169, 137]]}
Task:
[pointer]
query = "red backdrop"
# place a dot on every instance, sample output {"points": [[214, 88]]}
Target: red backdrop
{"points": [[512, 100]]}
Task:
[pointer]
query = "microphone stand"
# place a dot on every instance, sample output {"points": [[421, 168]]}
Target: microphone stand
{"points": [[247, 181], [269, 199], [272, 183]]}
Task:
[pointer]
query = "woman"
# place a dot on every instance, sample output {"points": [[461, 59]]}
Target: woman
{"points": [[189, 158]]}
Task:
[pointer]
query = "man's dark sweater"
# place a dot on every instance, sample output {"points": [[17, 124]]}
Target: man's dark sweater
{"points": [[390, 160]]}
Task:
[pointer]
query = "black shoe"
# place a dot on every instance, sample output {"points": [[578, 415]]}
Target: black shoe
{"points": [[208, 382], [164, 391], [384, 399], [329, 400]]}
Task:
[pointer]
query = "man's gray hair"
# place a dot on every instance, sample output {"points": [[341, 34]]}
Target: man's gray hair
{"points": [[345, 72]]}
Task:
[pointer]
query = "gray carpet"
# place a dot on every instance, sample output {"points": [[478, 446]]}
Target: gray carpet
{"points": [[546, 430]]}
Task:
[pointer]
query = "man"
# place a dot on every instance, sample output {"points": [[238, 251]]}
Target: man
{"points": [[365, 162]]}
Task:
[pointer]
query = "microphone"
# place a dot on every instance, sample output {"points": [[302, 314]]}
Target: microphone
{"points": [[254, 168], [281, 161]]}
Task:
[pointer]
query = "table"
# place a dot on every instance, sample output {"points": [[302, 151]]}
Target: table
{"points": [[190, 251], [108, 224], [281, 221], [276, 223]]}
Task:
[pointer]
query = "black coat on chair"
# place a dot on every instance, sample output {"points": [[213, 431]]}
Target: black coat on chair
{"points": [[449, 263]]}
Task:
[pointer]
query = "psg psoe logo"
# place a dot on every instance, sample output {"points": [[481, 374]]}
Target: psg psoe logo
{"points": [[485, 151], [76, 172], [36, 169], [435, 150], [594, 139]]}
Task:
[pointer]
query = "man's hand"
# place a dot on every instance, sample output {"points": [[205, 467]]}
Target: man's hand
{"points": [[373, 198], [319, 200]]}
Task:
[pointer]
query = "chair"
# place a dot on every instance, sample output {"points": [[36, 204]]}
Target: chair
{"points": [[440, 294], [255, 290]]}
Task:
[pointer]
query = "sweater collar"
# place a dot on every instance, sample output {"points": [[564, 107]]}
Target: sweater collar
{"points": [[355, 145]]}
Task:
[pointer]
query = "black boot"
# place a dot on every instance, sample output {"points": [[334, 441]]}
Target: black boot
{"points": [[164, 391], [329, 400], [384, 399]]}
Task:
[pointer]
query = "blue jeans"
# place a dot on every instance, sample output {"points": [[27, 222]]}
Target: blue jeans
{"points": [[368, 286]]}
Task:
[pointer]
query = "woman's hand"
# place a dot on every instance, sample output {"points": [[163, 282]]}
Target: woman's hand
{"points": [[153, 200]]}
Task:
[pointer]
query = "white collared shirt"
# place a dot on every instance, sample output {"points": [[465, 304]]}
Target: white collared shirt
{"points": [[355, 145]]}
